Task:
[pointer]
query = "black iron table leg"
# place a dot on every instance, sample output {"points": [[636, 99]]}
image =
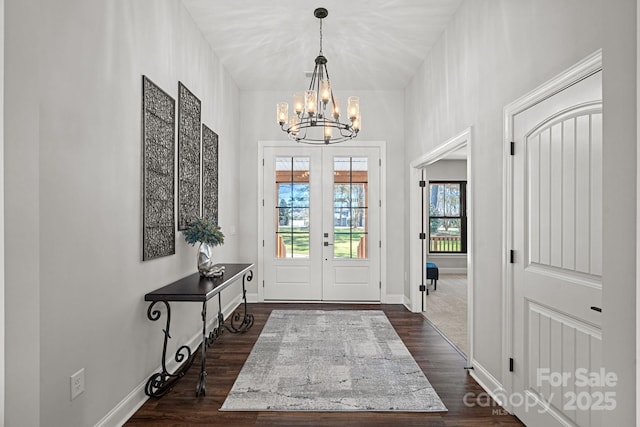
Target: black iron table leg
{"points": [[161, 382], [220, 327], [201, 387], [247, 319]]}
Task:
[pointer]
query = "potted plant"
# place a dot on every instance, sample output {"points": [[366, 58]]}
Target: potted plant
{"points": [[209, 235]]}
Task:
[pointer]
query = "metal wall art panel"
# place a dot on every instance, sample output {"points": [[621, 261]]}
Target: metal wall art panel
{"points": [[158, 144], [189, 115], [209, 174]]}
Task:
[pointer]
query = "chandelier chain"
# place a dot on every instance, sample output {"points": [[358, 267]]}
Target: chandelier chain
{"points": [[321, 37]]}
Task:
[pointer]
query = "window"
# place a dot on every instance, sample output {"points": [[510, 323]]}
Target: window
{"points": [[350, 206], [448, 217], [292, 206]]}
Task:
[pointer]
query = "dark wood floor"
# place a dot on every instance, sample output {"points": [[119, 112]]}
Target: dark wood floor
{"points": [[443, 366]]}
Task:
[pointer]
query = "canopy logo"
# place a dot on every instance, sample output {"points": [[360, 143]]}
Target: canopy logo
{"points": [[584, 390]]}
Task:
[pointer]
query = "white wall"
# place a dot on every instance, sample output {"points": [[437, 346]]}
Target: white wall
{"points": [[492, 52], [382, 113], [2, 305], [75, 281], [443, 170], [637, 205], [619, 221], [21, 214]]}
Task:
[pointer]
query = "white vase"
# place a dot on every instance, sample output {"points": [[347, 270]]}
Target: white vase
{"points": [[205, 260]]}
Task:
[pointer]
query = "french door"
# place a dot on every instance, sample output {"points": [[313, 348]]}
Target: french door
{"points": [[321, 223]]}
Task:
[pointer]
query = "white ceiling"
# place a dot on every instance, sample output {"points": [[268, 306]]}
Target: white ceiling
{"points": [[369, 44]]}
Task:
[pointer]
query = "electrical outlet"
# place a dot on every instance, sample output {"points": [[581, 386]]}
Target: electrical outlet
{"points": [[77, 383]]}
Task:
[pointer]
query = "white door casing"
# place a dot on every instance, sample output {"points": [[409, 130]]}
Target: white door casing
{"points": [[554, 226], [291, 271], [416, 269]]}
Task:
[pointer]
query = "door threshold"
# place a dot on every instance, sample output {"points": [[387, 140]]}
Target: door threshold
{"points": [[280, 301]]}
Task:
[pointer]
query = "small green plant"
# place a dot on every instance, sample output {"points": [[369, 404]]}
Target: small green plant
{"points": [[203, 230]]}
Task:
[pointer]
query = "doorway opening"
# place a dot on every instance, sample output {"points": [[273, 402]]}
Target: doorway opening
{"points": [[446, 241], [445, 219]]}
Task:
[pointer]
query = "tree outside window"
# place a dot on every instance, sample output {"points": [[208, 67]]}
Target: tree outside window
{"points": [[447, 217]]}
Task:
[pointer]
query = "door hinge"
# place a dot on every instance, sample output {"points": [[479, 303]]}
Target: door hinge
{"points": [[380, 243], [381, 284], [422, 236], [262, 162], [262, 202], [512, 256], [422, 183], [263, 243], [513, 148], [380, 203], [379, 162], [511, 364], [263, 283]]}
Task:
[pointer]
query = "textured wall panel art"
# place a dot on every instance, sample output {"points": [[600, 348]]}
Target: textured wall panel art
{"points": [[189, 109], [158, 144], [209, 174]]}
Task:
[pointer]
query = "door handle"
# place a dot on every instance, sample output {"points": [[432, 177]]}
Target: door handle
{"points": [[328, 244]]}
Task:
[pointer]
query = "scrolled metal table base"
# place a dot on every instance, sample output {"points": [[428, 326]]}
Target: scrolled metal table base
{"points": [[247, 318], [208, 340], [161, 382]]}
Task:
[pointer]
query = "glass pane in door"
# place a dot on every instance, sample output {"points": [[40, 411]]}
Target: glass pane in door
{"points": [[292, 207], [350, 204]]}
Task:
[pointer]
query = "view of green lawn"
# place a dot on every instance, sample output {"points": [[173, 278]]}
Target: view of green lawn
{"points": [[345, 244]]}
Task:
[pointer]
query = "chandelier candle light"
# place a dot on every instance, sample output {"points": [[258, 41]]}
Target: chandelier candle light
{"points": [[317, 111]]}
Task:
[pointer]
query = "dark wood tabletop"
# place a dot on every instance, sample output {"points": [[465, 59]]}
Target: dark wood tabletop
{"points": [[197, 288]]}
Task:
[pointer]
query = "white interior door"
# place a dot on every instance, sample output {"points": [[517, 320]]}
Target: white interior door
{"points": [[321, 223], [557, 270]]}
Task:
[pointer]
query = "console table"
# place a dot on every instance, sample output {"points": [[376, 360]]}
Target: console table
{"points": [[197, 289]]}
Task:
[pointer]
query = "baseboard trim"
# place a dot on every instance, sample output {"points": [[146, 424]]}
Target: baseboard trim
{"points": [[128, 406], [393, 299], [388, 299], [453, 270], [293, 301], [407, 303], [489, 383]]}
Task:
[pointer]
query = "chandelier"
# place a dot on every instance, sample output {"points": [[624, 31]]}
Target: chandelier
{"points": [[317, 110]]}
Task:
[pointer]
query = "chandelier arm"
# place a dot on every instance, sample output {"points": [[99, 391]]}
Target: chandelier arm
{"points": [[302, 132], [342, 132], [326, 71], [313, 78]]}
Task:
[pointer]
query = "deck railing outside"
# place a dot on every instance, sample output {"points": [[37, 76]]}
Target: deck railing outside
{"points": [[444, 244]]}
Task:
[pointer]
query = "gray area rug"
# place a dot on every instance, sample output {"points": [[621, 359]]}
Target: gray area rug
{"points": [[311, 360]]}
